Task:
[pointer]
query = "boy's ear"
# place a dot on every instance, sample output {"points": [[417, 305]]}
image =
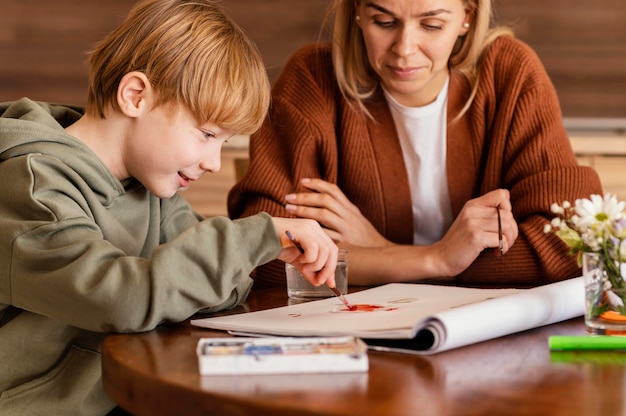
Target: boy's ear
{"points": [[134, 93]]}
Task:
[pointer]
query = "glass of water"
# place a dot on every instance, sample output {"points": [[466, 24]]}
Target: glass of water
{"points": [[300, 288]]}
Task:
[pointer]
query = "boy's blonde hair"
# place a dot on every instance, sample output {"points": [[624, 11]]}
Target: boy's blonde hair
{"points": [[358, 81], [193, 54]]}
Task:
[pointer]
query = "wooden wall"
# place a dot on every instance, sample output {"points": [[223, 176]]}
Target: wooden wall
{"points": [[43, 43], [582, 43]]}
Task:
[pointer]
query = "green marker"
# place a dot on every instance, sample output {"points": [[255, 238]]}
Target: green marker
{"points": [[586, 342]]}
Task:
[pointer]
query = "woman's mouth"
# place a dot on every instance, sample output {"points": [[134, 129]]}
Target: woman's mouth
{"points": [[403, 72]]}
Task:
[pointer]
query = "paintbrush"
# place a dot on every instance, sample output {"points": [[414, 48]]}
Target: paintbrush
{"points": [[334, 289], [500, 241]]}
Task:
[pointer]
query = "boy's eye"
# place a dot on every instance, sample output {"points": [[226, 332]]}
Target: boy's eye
{"points": [[208, 134]]}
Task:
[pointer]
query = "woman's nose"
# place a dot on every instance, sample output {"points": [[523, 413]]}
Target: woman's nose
{"points": [[406, 43]]}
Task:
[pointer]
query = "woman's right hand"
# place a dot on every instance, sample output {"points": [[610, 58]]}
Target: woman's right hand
{"points": [[476, 229]]}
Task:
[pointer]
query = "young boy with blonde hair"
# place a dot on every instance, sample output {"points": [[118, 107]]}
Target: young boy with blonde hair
{"points": [[95, 237]]}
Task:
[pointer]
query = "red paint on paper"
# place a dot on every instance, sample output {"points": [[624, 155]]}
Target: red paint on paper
{"points": [[367, 308]]}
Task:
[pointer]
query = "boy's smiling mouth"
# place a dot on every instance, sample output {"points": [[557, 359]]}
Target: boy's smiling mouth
{"points": [[184, 180]]}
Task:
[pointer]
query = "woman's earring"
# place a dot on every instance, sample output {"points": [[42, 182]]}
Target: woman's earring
{"points": [[357, 18], [465, 25]]}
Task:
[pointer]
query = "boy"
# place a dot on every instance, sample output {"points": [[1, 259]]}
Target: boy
{"points": [[95, 238]]}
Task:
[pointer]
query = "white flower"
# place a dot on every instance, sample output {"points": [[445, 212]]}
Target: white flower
{"points": [[556, 209], [598, 210], [597, 225]]}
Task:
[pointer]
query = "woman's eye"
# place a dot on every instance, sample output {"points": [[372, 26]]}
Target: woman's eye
{"points": [[385, 23], [432, 24], [431, 27]]}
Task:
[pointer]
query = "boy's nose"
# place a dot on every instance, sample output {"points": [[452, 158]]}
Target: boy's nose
{"points": [[212, 162]]}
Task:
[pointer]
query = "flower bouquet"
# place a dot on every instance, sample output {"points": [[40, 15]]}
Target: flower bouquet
{"points": [[595, 231]]}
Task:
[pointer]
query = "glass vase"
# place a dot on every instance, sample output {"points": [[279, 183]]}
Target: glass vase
{"points": [[605, 294]]}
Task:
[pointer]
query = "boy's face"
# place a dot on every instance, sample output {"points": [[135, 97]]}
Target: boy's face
{"points": [[167, 150]]}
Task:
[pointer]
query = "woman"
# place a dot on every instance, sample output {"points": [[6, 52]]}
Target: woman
{"points": [[419, 139]]}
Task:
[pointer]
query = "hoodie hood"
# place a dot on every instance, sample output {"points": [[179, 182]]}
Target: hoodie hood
{"points": [[29, 127]]}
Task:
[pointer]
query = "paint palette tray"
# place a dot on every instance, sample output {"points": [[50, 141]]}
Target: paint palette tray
{"points": [[278, 355]]}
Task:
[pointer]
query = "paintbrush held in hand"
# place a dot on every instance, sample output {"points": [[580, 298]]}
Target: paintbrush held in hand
{"points": [[334, 289]]}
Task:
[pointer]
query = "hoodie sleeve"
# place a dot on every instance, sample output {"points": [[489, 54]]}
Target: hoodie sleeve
{"points": [[125, 265]]}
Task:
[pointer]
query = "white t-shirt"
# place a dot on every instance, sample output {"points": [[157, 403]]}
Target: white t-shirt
{"points": [[422, 133]]}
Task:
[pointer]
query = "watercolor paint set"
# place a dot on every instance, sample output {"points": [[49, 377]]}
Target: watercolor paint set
{"points": [[278, 355]]}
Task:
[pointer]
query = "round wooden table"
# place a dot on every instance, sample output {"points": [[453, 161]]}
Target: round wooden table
{"points": [[156, 373]]}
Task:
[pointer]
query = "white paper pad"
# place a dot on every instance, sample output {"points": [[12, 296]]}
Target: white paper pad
{"points": [[453, 316]]}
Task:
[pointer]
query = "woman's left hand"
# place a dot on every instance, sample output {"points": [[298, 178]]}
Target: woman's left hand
{"points": [[329, 206]]}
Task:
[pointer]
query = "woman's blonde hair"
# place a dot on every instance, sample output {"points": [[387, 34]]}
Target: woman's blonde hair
{"points": [[358, 81], [193, 54]]}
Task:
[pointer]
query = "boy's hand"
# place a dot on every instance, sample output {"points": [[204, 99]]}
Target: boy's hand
{"points": [[319, 259]]}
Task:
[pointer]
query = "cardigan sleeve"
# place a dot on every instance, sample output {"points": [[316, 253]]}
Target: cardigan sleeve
{"points": [[69, 257], [529, 153]]}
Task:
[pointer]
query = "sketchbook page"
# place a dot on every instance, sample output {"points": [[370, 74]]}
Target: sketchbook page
{"points": [[403, 307], [506, 315]]}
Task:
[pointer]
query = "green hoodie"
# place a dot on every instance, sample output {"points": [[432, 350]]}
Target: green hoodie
{"points": [[83, 254]]}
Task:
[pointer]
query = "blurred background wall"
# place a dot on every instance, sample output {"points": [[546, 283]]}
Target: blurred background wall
{"points": [[582, 44]]}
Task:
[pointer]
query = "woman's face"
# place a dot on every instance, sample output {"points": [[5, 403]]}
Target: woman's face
{"points": [[409, 43]]}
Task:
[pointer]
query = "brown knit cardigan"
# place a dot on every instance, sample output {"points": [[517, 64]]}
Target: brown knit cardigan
{"points": [[512, 137]]}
